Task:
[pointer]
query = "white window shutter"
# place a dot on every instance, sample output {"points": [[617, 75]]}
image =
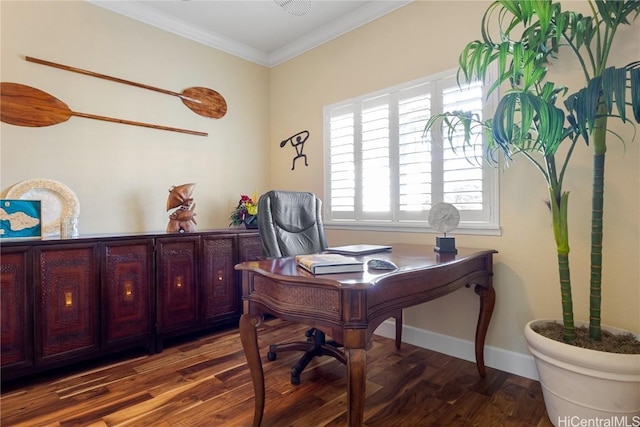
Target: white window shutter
{"points": [[383, 170]]}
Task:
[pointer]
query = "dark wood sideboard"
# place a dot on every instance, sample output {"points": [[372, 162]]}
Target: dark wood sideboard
{"points": [[71, 300]]}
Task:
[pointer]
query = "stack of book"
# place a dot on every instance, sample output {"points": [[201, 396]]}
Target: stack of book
{"points": [[329, 263]]}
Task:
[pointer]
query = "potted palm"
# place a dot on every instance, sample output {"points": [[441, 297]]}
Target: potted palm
{"points": [[534, 118]]}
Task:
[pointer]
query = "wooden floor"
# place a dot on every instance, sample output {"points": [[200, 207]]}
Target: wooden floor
{"points": [[205, 382]]}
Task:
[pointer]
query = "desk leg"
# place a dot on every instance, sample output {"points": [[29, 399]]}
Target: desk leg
{"points": [[487, 302], [356, 383], [249, 338]]}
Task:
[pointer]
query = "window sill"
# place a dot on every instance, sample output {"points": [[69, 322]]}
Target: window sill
{"points": [[469, 229]]}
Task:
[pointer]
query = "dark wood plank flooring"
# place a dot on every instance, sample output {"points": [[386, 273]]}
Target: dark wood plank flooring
{"points": [[205, 382]]}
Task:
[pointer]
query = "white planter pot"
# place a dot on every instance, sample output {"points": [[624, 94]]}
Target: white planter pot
{"points": [[583, 386]]}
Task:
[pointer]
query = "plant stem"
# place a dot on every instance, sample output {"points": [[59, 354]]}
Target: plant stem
{"points": [[559, 208], [597, 209]]}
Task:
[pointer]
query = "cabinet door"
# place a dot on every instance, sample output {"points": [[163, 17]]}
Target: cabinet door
{"points": [[66, 296], [177, 285], [220, 297], [127, 292], [16, 309], [249, 247]]}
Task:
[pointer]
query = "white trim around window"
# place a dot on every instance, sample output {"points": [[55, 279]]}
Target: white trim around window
{"points": [[383, 174]]}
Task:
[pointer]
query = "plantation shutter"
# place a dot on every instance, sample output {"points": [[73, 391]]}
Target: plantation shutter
{"points": [[342, 162], [383, 169], [375, 146], [462, 171], [414, 154]]}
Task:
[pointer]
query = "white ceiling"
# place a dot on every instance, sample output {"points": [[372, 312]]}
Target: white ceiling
{"points": [[259, 31]]}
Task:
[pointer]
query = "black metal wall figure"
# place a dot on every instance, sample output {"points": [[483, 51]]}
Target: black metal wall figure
{"points": [[297, 141]]}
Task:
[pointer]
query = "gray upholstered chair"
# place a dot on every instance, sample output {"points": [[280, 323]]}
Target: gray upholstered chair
{"points": [[290, 224]]}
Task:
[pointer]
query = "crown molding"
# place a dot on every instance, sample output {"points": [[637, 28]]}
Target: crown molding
{"points": [[138, 11], [151, 16], [349, 22]]}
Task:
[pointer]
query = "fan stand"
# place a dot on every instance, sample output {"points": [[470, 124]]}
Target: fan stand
{"points": [[445, 245]]}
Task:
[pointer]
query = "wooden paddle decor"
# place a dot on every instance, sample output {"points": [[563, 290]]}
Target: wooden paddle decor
{"points": [[24, 105], [201, 100]]}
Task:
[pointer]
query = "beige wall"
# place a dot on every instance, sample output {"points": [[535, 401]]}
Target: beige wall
{"points": [[423, 38], [121, 173]]}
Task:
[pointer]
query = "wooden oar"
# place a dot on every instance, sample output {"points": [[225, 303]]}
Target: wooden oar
{"points": [[24, 105], [201, 100]]}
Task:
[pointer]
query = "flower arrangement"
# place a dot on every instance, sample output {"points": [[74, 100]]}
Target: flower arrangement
{"points": [[246, 210]]}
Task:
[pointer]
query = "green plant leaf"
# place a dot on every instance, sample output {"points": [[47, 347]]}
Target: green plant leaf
{"points": [[614, 82], [634, 76]]}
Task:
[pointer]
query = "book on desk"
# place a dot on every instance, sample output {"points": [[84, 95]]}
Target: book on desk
{"points": [[359, 249], [329, 263]]}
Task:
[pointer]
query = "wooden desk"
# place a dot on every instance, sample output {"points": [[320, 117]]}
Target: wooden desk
{"points": [[349, 307]]}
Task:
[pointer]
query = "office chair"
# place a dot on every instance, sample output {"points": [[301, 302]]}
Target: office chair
{"points": [[290, 224]]}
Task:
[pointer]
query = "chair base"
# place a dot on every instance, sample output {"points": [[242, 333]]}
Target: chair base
{"points": [[316, 345]]}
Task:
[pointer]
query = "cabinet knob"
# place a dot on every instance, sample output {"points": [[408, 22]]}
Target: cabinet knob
{"points": [[220, 276], [179, 282]]}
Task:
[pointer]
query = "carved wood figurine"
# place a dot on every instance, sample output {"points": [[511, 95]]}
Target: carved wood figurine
{"points": [[182, 219]]}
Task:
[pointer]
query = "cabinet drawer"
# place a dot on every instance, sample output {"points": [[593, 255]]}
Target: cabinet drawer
{"points": [[16, 309], [249, 247], [66, 313], [177, 286], [127, 291], [220, 296]]}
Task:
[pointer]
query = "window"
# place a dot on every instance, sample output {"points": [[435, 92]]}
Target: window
{"points": [[382, 172]]}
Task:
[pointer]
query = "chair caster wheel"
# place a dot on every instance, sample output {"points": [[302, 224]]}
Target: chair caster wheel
{"points": [[271, 356], [295, 379]]}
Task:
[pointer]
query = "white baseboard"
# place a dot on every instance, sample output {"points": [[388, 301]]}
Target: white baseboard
{"points": [[497, 358]]}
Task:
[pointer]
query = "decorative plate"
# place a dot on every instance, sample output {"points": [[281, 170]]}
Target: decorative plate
{"points": [[58, 201], [444, 217]]}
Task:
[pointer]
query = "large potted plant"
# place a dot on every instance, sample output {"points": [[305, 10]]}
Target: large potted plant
{"points": [[545, 123]]}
